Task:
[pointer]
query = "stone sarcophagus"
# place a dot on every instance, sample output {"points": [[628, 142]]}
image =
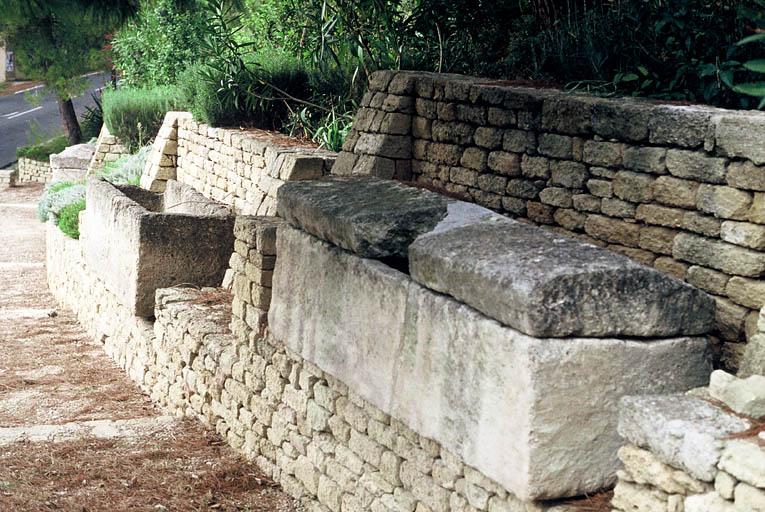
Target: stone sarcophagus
{"points": [[138, 241], [508, 345]]}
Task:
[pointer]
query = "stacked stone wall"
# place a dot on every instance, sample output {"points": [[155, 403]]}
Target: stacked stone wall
{"points": [[698, 452], [108, 149], [307, 430], [681, 188], [244, 168], [34, 171]]}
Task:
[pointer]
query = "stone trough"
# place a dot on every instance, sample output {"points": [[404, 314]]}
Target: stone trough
{"points": [[508, 345], [139, 241]]}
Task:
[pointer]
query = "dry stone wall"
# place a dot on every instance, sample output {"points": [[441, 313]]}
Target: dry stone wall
{"points": [[107, 149], [313, 435], [34, 170], [699, 452], [244, 168], [681, 188]]}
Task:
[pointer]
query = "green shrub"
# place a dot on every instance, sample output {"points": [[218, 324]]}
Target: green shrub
{"points": [[128, 168], [69, 218], [57, 196], [44, 150], [135, 115]]}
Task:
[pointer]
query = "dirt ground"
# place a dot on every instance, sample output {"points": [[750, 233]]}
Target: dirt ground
{"points": [[54, 378]]}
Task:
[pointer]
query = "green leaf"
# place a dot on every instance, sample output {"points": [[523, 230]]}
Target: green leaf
{"points": [[756, 65], [752, 39], [629, 77], [751, 89]]}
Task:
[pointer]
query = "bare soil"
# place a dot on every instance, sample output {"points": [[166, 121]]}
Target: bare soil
{"points": [[52, 373]]}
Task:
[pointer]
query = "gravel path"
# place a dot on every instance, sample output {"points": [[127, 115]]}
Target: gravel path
{"points": [[75, 433]]}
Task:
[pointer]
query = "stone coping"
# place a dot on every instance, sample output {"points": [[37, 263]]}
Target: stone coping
{"points": [[537, 282]]}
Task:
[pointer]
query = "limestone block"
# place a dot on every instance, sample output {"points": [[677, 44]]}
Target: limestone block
{"points": [[684, 126], [745, 396], [749, 498], [633, 187], [724, 485], [745, 460], [724, 202], [746, 175], [729, 258], [645, 159], [709, 502], [150, 245], [523, 277], [371, 217], [695, 166], [502, 401], [747, 292], [739, 135], [632, 497], [645, 468], [683, 431], [743, 233]]}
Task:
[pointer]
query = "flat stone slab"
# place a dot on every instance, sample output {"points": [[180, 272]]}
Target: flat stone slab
{"points": [[371, 217], [537, 415], [544, 284], [74, 157], [684, 431]]}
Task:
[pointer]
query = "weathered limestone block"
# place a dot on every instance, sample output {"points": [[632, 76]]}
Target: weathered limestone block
{"points": [[683, 431], [745, 396], [548, 285], [745, 460], [709, 502], [371, 217], [644, 468], [502, 401], [738, 135], [746, 175], [715, 254], [72, 163], [696, 166], [678, 125], [632, 497], [153, 241]]}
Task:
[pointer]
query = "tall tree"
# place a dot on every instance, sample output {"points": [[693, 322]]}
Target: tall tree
{"points": [[57, 41]]}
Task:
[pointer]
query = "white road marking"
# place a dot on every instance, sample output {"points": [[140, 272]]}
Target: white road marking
{"points": [[19, 114], [29, 89]]}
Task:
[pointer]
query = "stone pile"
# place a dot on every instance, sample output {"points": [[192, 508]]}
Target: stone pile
{"points": [[679, 188], [162, 163], [8, 178], [699, 452]]}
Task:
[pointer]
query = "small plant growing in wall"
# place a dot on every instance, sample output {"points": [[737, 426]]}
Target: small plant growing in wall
{"points": [[69, 219]]}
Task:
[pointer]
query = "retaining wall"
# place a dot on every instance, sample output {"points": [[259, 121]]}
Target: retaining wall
{"points": [[34, 170], [306, 429], [243, 168], [681, 188], [107, 149]]}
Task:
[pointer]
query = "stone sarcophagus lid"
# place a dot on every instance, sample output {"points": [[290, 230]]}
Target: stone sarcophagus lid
{"points": [[507, 344], [138, 241]]}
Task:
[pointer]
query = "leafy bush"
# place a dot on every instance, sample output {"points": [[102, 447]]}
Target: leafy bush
{"points": [[135, 115], [43, 151], [128, 168], [69, 218], [57, 196], [164, 38]]}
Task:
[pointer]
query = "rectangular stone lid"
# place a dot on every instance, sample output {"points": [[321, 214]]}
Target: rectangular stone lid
{"points": [[537, 282]]}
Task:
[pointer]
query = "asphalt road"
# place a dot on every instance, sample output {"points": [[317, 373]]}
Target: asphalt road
{"points": [[22, 122]]}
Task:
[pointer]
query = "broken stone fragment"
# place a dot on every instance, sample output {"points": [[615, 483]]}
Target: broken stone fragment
{"points": [[683, 431], [745, 396]]}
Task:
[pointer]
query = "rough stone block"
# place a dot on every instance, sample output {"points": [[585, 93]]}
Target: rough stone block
{"points": [[739, 135], [745, 460], [501, 401], [746, 175], [729, 258], [724, 202], [683, 431], [695, 166], [678, 125], [523, 277], [153, 241], [370, 217], [745, 396]]}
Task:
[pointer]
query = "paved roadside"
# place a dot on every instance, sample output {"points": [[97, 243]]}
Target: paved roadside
{"points": [[75, 433]]}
